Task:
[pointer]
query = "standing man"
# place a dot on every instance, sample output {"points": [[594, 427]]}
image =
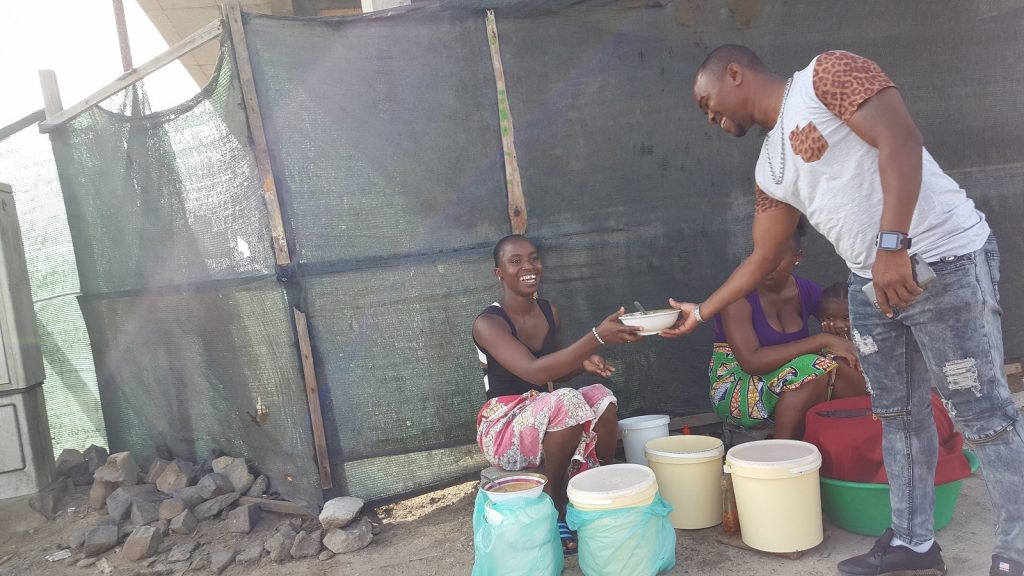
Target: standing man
{"points": [[843, 150]]}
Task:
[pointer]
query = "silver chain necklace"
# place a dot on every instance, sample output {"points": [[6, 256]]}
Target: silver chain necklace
{"points": [[782, 141]]}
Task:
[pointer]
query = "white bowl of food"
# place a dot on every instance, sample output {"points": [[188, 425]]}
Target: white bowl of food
{"points": [[651, 321], [517, 486]]}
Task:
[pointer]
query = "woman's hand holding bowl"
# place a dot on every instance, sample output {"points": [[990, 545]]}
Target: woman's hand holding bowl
{"points": [[613, 331]]}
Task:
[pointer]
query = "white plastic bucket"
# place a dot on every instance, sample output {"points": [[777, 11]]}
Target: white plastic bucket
{"points": [[613, 486], [638, 431], [778, 496], [689, 473]]}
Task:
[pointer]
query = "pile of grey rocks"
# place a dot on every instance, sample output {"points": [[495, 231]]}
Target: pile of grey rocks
{"points": [[174, 495]]}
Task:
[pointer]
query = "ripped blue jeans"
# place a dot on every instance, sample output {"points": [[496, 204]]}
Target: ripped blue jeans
{"points": [[949, 338]]}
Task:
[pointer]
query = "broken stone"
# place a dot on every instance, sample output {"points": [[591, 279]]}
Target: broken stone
{"points": [[184, 523], [213, 485], [250, 554], [120, 468], [143, 543], [164, 526], [99, 538], [71, 464], [326, 555], [236, 470], [119, 505], [221, 558], [144, 511], [210, 508], [339, 512], [190, 496], [375, 528], [243, 519], [182, 552], [99, 493], [156, 469], [95, 456], [149, 561], [259, 487], [201, 561], [279, 546], [176, 475], [349, 539], [171, 507], [306, 545], [124, 531], [86, 562]]}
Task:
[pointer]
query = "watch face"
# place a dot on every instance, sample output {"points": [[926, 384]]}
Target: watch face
{"points": [[889, 241]]}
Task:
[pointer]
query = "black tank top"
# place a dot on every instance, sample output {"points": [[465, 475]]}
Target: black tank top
{"points": [[501, 382]]}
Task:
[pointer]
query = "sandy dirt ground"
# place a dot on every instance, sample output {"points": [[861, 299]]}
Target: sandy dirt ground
{"points": [[432, 535]]}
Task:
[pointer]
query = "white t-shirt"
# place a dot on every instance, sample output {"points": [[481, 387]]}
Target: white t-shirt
{"points": [[831, 174]]}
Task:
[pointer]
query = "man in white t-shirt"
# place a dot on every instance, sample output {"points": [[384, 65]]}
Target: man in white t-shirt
{"points": [[843, 150]]}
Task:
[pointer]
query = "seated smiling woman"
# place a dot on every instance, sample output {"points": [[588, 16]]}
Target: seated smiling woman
{"points": [[523, 423], [766, 365]]}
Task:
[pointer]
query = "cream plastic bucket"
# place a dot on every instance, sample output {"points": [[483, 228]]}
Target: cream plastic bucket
{"points": [[613, 486], [639, 430], [689, 473], [778, 496]]}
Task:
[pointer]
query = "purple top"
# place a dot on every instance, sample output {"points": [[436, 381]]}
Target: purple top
{"points": [[810, 298]]}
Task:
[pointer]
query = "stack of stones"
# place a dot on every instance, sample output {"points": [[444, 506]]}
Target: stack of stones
{"points": [[173, 496]]}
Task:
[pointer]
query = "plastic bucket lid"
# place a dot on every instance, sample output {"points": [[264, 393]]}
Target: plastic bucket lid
{"points": [[638, 422], [612, 486], [689, 448], [773, 459]]}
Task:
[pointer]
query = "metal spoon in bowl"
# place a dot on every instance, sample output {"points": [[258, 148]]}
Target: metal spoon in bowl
{"points": [[639, 307]]}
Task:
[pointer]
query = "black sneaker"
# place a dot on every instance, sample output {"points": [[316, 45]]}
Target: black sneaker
{"points": [[1003, 566], [886, 560]]}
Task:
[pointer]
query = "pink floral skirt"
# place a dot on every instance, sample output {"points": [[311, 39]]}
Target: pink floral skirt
{"points": [[510, 429]]}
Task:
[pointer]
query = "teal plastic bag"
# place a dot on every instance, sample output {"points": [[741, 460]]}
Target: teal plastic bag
{"points": [[516, 537], [635, 541]]}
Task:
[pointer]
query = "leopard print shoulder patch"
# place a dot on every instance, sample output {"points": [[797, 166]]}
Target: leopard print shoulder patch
{"points": [[843, 81], [765, 203]]}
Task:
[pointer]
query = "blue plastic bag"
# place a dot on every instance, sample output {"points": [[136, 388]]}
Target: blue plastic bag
{"points": [[516, 537], [635, 541]]}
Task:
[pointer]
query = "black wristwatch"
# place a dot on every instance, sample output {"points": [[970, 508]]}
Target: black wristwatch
{"points": [[892, 241]]}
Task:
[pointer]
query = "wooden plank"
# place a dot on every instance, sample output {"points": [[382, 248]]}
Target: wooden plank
{"points": [[122, 36], [233, 15], [278, 506], [197, 39], [313, 398], [51, 93], [513, 183], [19, 125], [1013, 368]]}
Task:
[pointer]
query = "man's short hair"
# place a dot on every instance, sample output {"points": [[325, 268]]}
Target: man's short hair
{"points": [[719, 58]]}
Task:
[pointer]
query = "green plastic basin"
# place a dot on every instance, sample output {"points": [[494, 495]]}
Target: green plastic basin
{"points": [[863, 508]]}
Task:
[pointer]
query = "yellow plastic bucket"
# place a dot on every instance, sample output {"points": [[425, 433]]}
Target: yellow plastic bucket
{"points": [[689, 473], [778, 496], [613, 486]]}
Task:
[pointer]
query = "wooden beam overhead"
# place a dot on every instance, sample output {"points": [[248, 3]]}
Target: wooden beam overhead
{"points": [[200, 37]]}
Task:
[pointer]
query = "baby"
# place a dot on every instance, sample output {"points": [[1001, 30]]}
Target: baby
{"points": [[834, 310]]}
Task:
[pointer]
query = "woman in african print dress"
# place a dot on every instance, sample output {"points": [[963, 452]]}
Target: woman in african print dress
{"points": [[524, 421], [766, 366]]}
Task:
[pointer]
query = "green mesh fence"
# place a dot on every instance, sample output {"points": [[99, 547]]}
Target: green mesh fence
{"points": [[72, 398]]}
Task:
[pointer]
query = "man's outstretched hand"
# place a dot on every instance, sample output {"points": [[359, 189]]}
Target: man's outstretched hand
{"points": [[687, 321]]}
